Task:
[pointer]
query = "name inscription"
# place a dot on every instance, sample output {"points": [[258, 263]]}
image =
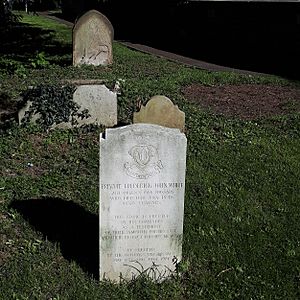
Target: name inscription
{"points": [[133, 228]]}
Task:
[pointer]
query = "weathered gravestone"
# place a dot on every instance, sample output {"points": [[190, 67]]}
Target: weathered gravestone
{"points": [[100, 102], [92, 40], [142, 182], [160, 110]]}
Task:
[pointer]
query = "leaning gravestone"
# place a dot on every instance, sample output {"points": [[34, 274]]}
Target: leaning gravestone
{"points": [[92, 40], [160, 110], [142, 182]]}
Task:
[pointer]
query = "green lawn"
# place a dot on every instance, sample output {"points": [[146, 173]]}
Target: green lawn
{"points": [[241, 227]]}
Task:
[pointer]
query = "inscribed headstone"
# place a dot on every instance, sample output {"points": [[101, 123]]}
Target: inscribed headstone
{"points": [[142, 182], [160, 110], [92, 40]]}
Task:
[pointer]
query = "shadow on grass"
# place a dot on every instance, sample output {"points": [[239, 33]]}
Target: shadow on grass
{"points": [[67, 223], [22, 42]]}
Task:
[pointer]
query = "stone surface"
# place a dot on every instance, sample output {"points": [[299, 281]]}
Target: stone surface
{"points": [[160, 110], [142, 182], [92, 40], [100, 102]]}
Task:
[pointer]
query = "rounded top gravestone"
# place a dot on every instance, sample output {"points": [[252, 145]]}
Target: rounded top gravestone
{"points": [[160, 110], [92, 40]]}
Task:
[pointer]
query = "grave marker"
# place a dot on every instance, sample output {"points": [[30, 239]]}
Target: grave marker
{"points": [[142, 182], [92, 40], [160, 110], [100, 102]]}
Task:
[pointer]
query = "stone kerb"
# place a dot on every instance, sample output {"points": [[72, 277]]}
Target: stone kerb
{"points": [[160, 110], [142, 183], [93, 35]]}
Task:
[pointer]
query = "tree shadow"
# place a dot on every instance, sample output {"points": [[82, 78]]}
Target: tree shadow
{"points": [[67, 223], [260, 37], [22, 42], [254, 36]]}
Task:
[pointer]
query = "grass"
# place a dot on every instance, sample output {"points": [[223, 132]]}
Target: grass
{"points": [[61, 32], [241, 228]]}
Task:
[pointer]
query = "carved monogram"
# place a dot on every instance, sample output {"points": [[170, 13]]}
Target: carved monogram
{"points": [[144, 162]]}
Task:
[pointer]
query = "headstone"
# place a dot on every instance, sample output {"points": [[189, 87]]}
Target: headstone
{"points": [[142, 182], [92, 40], [100, 102], [160, 110]]}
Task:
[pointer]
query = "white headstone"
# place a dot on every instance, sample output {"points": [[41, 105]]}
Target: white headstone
{"points": [[100, 102], [142, 182]]}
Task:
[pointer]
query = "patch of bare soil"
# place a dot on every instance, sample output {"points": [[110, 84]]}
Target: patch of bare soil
{"points": [[245, 101]]}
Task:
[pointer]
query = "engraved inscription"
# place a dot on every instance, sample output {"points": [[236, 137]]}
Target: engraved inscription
{"points": [[94, 53], [147, 226]]}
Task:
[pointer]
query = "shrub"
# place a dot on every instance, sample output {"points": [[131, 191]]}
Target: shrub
{"points": [[54, 104]]}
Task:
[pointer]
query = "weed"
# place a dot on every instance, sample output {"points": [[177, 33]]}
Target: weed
{"points": [[54, 105], [11, 67], [40, 61]]}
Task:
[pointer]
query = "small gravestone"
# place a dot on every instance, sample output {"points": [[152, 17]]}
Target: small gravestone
{"points": [[160, 110], [100, 102], [142, 182], [92, 40]]}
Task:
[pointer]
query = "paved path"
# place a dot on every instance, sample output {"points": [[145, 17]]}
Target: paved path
{"points": [[168, 55]]}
